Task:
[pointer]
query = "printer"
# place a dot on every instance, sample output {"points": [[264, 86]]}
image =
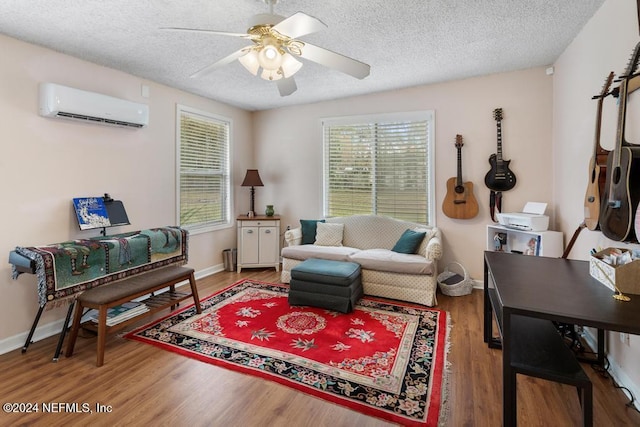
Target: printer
{"points": [[532, 218]]}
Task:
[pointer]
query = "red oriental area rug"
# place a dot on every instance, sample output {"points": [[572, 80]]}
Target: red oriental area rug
{"points": [[385, 359]]}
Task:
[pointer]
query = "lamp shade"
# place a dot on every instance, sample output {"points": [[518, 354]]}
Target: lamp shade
{"points": [[252, 179], [250, 62], [290, 65]]}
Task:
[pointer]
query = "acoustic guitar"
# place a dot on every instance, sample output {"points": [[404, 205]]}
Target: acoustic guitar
{"points": [[459, 203], [622, 189], [597, 166], [499, 177]]}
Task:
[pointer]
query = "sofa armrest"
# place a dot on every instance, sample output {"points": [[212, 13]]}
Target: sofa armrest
{"points": [[434, 247], [293, 237]]}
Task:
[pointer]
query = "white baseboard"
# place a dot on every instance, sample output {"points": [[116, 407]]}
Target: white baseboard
{"points": [[616, 372], [623, 380], [42, 332], [53, 328], [209, 271]]}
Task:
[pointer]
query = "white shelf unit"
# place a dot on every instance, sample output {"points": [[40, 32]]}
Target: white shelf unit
{"points": [[538, 243], [258, 242]]}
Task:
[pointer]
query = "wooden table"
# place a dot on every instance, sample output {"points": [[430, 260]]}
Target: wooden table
{"points": [[555, 289]]}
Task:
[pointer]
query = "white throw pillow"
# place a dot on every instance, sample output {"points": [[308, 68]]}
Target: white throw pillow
{"points": [[430, 232], [329, 234]]}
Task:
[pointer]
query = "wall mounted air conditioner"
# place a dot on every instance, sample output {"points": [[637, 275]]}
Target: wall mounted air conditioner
{"points": [[68, 103]]}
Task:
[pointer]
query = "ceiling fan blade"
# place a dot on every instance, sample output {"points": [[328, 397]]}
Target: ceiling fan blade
{"points": [[220, 33], [286, 86], [336, 61], [224, 61], [298, 25]]}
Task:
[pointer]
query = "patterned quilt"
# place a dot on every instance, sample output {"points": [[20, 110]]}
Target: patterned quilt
{"points": [[64, 269]]}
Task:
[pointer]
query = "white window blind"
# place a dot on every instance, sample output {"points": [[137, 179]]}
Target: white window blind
{"points": [[379, 165], [203, 162]]}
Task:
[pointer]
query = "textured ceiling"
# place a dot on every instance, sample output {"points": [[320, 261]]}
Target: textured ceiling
{"points": [[406, 42]]}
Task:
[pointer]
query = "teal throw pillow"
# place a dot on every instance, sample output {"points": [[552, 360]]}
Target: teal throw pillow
{"points": [[409, 242], [309, 230]]}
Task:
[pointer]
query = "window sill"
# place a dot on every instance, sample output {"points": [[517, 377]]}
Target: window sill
{"points": [[195, 230]]}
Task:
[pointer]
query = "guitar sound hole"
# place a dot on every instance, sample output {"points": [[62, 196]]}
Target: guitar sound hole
{"points": [[459, 189], [616, 175]]}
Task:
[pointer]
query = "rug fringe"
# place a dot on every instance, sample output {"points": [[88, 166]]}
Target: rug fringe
{"points": [[445, 406]]}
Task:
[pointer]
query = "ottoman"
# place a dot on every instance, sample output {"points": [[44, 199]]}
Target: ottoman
{"points": [[335, 285]]}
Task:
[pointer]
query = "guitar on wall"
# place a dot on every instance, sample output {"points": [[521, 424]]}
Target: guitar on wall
{"points": [[500, 177], [622, 189], [459, 203], [597, 166]]}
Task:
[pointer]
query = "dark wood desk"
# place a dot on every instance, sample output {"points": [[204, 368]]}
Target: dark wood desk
{"points": [[556, 289]]}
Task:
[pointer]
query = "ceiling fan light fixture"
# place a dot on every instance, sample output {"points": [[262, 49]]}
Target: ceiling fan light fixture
{"points": [[276, 46], [290, 65], [250, 62]]}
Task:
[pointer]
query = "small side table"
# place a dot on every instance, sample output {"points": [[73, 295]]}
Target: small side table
{"points": [[258, 242]]}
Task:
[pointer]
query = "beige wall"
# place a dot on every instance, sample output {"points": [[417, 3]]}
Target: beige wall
{"points": [[44, 163], [604, 45], [289, 149]]}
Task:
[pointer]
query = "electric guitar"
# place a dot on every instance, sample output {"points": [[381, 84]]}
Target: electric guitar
{"points": [[500, 177], [459, 203], [622, 189], [597, 166]]}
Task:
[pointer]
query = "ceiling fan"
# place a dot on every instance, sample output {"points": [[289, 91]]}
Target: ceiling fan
{"points": [[275, 48]]}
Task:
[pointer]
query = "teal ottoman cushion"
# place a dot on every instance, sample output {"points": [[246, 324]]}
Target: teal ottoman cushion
{"points": [[334, 285], [339, 273]]}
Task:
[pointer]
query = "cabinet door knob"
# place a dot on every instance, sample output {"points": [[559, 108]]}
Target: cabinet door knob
{"points": [[267, 231], [249, 231]]}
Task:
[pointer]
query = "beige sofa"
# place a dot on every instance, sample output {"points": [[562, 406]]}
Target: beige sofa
{"points": [[368, 240]]}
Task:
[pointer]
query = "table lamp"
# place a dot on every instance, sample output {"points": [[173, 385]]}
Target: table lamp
{"points": [[252, 179]]}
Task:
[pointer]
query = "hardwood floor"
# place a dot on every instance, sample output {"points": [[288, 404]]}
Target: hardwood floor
{"points": [[140, 384]]}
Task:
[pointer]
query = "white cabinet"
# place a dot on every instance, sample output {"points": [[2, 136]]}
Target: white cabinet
{"points": [[538, 243], [258, 242]]}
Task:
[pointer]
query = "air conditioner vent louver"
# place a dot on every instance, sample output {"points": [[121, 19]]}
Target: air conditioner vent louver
{"points": [[99, 120], [59, 101]]}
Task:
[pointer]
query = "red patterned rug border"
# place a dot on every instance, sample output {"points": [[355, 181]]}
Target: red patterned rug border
{"points": [[439, 377]]}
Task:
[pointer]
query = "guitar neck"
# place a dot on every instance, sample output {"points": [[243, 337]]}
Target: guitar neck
{"points": [[622, 99], [499, 152], [622, 113], [597, 149], [459, 176]]}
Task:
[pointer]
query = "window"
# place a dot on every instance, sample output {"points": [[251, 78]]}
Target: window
{"points": [[203, 170], [380, 165]]}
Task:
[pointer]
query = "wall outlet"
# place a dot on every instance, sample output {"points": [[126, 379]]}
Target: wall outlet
{"points": [[288, 227], [624, 338]]}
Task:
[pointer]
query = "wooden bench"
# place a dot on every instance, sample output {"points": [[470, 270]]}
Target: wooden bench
{"points": [[538, 350], [105, 297]]}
